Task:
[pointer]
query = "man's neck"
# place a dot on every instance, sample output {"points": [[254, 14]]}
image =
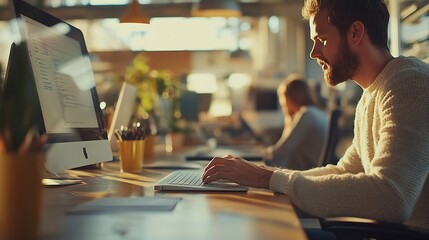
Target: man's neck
{"points": [[371, 64]]}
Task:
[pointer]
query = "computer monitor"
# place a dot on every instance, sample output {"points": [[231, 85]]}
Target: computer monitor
{"points": [[50, 69]]}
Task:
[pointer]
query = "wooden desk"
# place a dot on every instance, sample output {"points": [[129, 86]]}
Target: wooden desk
{"points": [[257, 214]]}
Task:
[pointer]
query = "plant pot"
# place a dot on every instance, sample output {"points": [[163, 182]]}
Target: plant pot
{"points": [[21, 195]]}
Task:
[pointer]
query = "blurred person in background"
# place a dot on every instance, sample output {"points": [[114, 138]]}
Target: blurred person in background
{"points": [[305, 129]]}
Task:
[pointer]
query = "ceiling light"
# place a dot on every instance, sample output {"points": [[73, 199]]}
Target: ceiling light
{"points": [[134, 14], [216, 8]]}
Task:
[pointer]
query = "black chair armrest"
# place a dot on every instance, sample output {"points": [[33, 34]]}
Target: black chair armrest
{"points": [[352, 228]]}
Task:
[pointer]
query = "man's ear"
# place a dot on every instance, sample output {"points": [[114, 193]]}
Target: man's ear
{"points": [[356, 32]]}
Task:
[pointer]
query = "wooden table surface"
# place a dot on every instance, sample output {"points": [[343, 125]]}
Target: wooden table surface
{"points": [[256, 214]]}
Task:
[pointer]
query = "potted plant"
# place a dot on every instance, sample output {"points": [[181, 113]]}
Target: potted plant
{"points": [[158, 95]]}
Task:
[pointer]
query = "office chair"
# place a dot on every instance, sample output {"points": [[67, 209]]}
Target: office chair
{"points": [[327, 155], [351, 228]]}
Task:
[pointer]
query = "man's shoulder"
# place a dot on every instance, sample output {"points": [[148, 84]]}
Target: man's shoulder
{"points": [[407, 70], [410, 63], [405, 75]]}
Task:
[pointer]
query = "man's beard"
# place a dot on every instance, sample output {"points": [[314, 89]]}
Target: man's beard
{"points": [[343, 67]]}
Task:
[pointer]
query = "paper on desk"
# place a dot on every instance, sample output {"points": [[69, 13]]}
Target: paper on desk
{"points": [[115, 204]]}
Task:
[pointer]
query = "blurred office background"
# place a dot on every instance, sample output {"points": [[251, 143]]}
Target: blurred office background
{"points": [[233, 63]]}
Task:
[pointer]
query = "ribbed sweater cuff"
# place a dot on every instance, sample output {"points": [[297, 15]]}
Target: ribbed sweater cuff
{"points": [[280, 181]]}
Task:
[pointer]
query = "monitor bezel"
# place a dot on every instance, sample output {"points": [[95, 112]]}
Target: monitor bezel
{"points": [[82, 147], [78, 134]]}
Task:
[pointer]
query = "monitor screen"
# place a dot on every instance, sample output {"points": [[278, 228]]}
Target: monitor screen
{"points": [[64, 82]]}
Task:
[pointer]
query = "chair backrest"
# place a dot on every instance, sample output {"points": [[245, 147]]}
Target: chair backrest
{"points": [[352, 228], [327, 155]]}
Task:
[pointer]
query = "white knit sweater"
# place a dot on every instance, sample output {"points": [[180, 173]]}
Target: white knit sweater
{"points": [[383, 174]]}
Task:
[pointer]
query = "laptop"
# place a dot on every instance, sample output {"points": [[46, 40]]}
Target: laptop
{"points": [[190, 180], [123, 112]]}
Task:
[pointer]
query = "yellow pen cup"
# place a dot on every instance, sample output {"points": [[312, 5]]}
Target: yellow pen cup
{"points": [[131, 155]]}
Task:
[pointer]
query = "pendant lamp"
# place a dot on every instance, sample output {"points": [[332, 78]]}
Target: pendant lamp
{"points": [[134, 14]]}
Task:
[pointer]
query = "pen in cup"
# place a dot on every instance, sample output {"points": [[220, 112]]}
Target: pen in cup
{"points": [[136, 132], [131, 147]]}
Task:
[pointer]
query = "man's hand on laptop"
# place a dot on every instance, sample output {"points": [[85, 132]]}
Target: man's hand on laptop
{"points": [[238, 170]]}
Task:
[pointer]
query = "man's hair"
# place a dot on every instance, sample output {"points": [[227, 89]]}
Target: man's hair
{"points": [[342, 13]]}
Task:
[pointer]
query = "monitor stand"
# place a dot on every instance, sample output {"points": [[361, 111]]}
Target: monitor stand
{"points": [[57, 180], [64, 179]]}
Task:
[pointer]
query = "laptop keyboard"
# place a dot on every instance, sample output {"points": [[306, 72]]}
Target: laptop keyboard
{"points": [[188, 178]]}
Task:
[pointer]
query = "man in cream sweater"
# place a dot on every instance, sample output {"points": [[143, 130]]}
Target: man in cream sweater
{"points": [[383, 174]]}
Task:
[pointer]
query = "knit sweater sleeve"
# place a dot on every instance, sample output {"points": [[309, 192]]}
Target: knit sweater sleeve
{"points": [[383, 172], [350, 162]]}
